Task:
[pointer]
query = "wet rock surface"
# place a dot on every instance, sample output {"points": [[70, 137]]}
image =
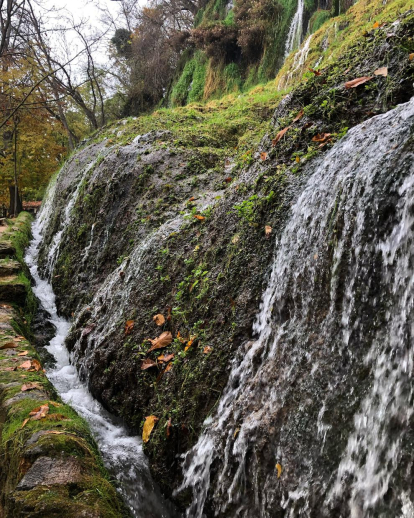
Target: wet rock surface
{"points": [[46, 471]]}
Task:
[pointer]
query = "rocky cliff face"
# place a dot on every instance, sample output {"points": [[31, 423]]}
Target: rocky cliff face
{"points": [[141, 224]]}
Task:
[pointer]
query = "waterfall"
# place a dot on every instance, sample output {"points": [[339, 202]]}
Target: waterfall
{"points": [[122, 454], [317, 410], [294, 37]]}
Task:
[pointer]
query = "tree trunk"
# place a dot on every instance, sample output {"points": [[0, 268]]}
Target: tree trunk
{"points": [[15, 208]]}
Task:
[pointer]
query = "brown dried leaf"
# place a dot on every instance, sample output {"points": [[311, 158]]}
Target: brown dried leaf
{"points": [[411, 56], [268, 230], [147, 364], [148, 426], [8, 345], [201, 218], [316, 72], [358, 81], [207, 349], [299, 116], [23, 353], [35, 366], [279, 135], [165, 358], [30, 386], [192, 198], [129, 326], [39, 413], [322, 137], [53, 403], [25, 422], [168, 367], [162, 341], [57, 417], [383, 71], [263, 156], [159, 319], [25, 365]]}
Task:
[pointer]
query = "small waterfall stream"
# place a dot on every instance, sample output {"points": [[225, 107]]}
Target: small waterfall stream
{"points": [[334, 337], [294, 37], [122, 454]]}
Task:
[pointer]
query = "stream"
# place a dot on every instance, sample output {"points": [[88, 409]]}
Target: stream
{"points": [[122, 454]]}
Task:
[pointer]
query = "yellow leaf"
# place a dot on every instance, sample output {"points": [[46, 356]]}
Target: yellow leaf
{"points": [[148, 426], [376, 25], [236, 432], [411, 56], [297, 159], [279, 470]]}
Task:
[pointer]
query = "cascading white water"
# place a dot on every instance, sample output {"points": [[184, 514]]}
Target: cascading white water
{"points": [[340, 295], [122, 454], [294, 37]]}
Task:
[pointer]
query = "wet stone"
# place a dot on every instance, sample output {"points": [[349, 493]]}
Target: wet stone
{"points": [[9, 268], [6, 249], [36, 395], [13, 293], [47, 471]]}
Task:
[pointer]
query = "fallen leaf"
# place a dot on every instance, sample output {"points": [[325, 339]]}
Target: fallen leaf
{"points": [[25, 365], [236, 432], [169, 309], [297, 159], [35, 366], [57, 417], [376, 25], [268, 230], [9, 369], [316, 72], [279, 135], [228, 179], [322, 137], [162, 341], [39, 413], [159, 319], [207, 349], [148, 426], [30, 386], [53, 403], [23, 353], [147, 364], [25, 422], [190, 342], [54, 432], [358, 81], [192, 198], [129, 326], [169, 427], [299, 116], [168, 367], [165, 358], [411, 56], [279, 470], [263, 156], [8, 345], [383, 71], [201, 218]]}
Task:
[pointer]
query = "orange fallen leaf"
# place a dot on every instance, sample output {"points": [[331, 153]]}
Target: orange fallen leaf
{"points": [[53, 403], [297, 159], [168, 367], [279, 470], [25, 365], [165, 358], [190, 342], [207, 349], [57, 417], [268, 230], [25, 422], [23, 353], [169, 427], [30, 386], [279, 135], [147, 364], [162, 341], [358, 81], [35, 366], [8, 345], [316, 72], [322, 137], [411, 56], [129, 326], [39, 413], [263, 156], [192, 198], [158, 319], [228, 179], [148, 426], [201, 218], [376, 25], [383, 71]]}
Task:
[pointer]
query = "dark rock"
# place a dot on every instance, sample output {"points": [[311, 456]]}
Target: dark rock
{"points": [[14, 293], [6, 249], [8, 268]]}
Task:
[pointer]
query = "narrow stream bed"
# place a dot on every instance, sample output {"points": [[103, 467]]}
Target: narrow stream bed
{"points": [[122, 454]]}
